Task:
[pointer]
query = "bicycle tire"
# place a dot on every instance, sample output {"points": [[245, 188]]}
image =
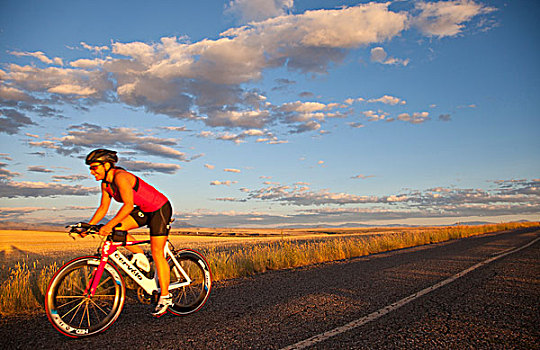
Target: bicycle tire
{"points": [[191, 298], [76, 315]]}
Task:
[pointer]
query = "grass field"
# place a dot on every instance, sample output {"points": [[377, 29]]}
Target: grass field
{"points": [[28, 259]]}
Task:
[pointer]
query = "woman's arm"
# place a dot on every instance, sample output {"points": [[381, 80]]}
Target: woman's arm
{"points": [[103, 208]]}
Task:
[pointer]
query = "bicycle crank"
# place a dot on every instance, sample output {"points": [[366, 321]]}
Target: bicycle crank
{"points": [[146, 298]]}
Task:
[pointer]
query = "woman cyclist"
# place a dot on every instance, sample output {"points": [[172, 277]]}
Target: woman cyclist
{"points": [[142, 205]]}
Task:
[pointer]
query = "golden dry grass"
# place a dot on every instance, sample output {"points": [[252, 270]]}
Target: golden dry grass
{"points": [[29, 259]]}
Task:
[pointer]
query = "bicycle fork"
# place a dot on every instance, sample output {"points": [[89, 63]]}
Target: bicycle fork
{"points": [[93, 282]]}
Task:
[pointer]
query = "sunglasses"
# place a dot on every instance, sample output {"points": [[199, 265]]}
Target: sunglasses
{"points": [[94, 167]]}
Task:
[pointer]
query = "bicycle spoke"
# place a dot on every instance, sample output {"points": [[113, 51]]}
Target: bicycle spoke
{"points": [[101, 284], [97, 315], [87, 314], [99, 307], [74, 300], [76, 308]]}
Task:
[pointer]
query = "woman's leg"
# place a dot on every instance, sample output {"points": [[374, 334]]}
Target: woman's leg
{"points": [[129, 224], [157, 246]]}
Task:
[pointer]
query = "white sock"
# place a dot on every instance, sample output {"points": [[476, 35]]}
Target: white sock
{"points": [[163, 297]]}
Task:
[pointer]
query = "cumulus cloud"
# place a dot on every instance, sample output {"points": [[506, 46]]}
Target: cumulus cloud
{"points": [[12, 189], [379, 55], [509, 197], [40, 56], [362, 177], [6, 174], [89, 136], [447, 18], [208, 80], [12, 120], [445, 117], [256, 10], [96, 49], [69, 177], [39, 169], [415, 118], [356, 125], [232, 170], [373, 116], [10, 212], [264, 136], [389, 100], [226, 183], [203, 80], [149, 167]]}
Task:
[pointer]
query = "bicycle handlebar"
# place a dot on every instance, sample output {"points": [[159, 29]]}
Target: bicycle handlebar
{"points": [[87, 229], [83, 227]]}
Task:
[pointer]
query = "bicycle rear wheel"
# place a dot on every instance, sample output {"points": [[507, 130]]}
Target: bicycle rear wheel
{"points": [[71, 311], [190, 298]]}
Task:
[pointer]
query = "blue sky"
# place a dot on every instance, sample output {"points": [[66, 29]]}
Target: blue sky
{"points": [[275, 113]]}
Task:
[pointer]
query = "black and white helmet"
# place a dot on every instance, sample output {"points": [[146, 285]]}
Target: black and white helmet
{"points": [[101, 156]]}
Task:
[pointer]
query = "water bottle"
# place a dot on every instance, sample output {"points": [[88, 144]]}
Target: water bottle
{"points": [[141, 261]]}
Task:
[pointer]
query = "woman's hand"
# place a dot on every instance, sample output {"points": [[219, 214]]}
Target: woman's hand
{"points": [[105, 230]]}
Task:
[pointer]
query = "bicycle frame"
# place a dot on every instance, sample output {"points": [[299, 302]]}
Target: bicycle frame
{"points": [[110, 250]]}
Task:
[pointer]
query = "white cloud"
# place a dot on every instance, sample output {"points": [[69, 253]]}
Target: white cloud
{"points": [[379, 55], [362, 177], [11, 121], [206, 80], [232, 170], [13, 94], [226, 183], [447, 18], [69, 177], [12, 189], [87, 136], [356, 125], [241, 137], [96, 49], [257, 10], [375, 116], [40, 56], [72, 89], [6, 174], [87, 63], [39, 169], [144, 166], [415, 118], [389, 100], [302, 107]]}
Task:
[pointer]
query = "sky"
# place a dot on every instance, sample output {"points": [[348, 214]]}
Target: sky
{"points": [[274, 113]]}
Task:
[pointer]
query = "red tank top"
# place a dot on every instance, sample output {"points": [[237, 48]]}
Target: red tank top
{"points": [[145, 196]]}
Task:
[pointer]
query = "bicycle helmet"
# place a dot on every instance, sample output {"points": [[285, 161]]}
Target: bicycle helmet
{"points": [[101, 156]]}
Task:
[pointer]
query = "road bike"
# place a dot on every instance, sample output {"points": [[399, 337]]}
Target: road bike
{"points": [[87, 294]]}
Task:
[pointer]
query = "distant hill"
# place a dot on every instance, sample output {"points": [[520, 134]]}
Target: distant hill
{"points": [[347, 225], [353, 225], [181, 224], [472, 223]]}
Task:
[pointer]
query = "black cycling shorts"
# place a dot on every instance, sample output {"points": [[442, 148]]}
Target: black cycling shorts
{"points": [[158, 221]]}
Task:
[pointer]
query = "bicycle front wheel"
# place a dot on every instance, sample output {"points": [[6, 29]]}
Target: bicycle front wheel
{"points": [[191, 297], [71, 311]]}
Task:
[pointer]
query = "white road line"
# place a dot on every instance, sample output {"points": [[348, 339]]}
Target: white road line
{"points": [[381, 312]]}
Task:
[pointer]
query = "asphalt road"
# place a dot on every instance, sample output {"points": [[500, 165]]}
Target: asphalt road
{"points": [[496, 306]]}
